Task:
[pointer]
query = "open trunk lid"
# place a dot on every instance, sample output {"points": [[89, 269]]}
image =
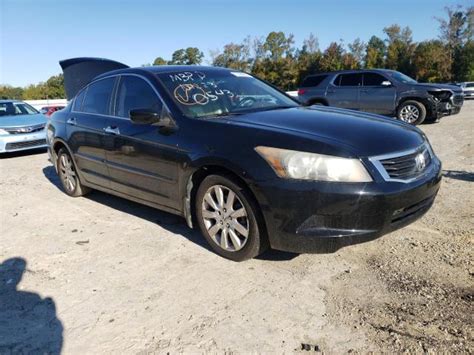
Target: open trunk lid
{"points": [[78, 72]]}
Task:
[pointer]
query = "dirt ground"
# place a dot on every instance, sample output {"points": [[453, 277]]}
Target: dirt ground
{"points": [[104, 275]]}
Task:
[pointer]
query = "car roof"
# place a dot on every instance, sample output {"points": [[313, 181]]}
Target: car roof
{"points": [[349, 71], [158, 69]]}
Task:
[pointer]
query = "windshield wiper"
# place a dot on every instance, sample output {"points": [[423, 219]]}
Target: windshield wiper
{"points": [[224, 114]]}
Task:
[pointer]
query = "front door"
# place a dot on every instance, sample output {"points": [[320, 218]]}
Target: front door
{"points": [[142, 158], [375, 97]]}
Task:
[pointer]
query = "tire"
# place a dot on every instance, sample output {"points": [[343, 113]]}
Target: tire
{"points": [[223, 224], [68, 175], [412, 112]]}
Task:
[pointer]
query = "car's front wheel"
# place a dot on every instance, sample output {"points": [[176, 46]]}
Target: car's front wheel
{"points": [[412, 112], [68, 175], [228, 218]]}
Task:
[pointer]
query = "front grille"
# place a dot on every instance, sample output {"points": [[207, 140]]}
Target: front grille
{"points": [[404, 167], [26, 144], [23, 130]]}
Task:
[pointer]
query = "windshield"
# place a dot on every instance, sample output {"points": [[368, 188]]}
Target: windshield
{"points": [[207, 93], [16, 108], [402, 77]]}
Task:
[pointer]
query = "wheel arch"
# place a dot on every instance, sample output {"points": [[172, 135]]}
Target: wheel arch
{"points": [[195, 180]]}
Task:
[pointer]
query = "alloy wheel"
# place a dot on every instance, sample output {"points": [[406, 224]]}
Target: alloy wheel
{"points": [[68, 175], [225, 218], [409, 113]]}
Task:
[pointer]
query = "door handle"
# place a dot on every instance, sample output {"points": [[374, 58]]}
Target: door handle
{"points": [[112, 130], [71, 121]]}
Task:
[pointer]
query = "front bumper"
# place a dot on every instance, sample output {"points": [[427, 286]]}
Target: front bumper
{"points": [[440, 109], [317, 217], [19, 142]]}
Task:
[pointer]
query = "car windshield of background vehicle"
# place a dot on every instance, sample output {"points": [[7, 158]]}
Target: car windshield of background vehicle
{"points": [[16, 108], [402, 77], [211, 93]]}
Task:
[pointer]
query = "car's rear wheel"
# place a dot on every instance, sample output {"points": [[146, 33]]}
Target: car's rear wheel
{"points": [[412, 112], [228, 218], [68, 175]]}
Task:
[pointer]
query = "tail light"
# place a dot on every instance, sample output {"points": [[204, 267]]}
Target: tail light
{"points": [[301, 91]]}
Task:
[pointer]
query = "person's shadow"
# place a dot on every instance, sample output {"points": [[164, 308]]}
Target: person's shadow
{"points": [[28, 323]]}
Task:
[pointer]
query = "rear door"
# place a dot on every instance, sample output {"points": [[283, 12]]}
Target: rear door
{"points": [[85, 129], [142, 158], [375, 97], [344, 91]]}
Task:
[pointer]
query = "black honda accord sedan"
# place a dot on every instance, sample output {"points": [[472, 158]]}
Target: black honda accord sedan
{"points": [[238, 158]]}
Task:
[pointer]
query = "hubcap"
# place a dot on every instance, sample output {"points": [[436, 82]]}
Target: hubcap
{"points": [[68, 175], [409, 113], [225, 218]]}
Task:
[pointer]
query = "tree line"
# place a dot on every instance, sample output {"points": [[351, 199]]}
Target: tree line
{"points": [[274, 58]]}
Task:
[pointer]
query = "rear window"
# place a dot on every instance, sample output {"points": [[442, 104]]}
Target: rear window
{"points": [[349, 80], [313, 80], [98, 96]]}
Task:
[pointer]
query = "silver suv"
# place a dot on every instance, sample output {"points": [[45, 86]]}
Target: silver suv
{"points": [[385, 92]]}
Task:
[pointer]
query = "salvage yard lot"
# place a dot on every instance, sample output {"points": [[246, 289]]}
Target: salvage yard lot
{"points": [[128, 278]]}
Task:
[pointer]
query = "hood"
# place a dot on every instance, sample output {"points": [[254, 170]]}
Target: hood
{"points": [[431, 86], [22, 120], [78, 72], [362, 134]]}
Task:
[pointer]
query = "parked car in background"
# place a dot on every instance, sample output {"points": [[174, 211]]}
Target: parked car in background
{"points": [[385, 92], [468, 89], [49, 110], [240, 159], [21, 127]]}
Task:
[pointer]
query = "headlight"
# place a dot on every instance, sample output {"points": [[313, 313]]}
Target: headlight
{"points": [[292, 164], [3, 132]]}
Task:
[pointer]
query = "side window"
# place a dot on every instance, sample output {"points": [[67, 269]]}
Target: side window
{"points": [[98, 96], [78, 101], [373, 79], [350, 79], [312, 81], [135, 93]]}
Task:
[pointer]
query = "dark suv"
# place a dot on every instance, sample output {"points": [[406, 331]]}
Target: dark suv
{"points": [[385, 92]]}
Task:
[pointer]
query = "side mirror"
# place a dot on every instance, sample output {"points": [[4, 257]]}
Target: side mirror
{"points": [[386, 83], [144, 116]]}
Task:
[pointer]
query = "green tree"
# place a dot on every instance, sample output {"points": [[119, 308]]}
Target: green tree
{"points": [[235, 56], [188, 56], [333, 57], [356, 51], [375, 53], [431, 62], [400, 48], [456, 31], [159, 61], [10, 92], [308, 58]]}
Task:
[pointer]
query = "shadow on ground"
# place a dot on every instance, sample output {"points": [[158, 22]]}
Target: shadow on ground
{"points": [[168, 221], [28, 323], [23, 153], [459, 175]]}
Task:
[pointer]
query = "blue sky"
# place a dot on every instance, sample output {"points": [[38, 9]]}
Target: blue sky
{"points": [[36, 34]]}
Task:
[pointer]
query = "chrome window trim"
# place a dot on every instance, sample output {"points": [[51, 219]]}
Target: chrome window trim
{"points": [[375, 160]]}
